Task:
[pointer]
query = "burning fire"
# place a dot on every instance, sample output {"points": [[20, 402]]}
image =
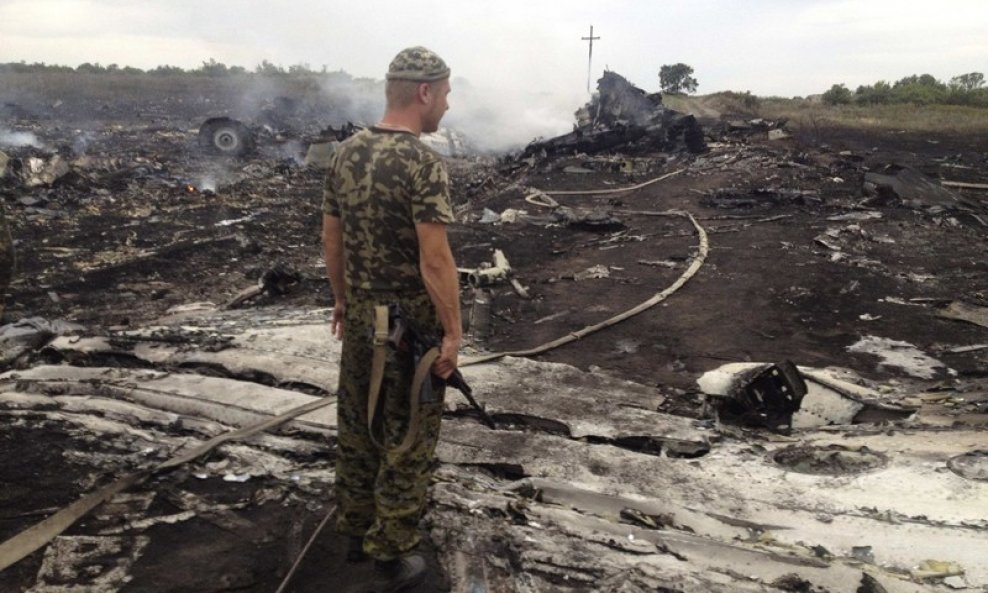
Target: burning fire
{"points": [[203, 187]]}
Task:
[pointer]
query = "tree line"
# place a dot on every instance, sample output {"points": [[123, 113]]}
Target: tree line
{"points": [[210, 68], [923, 89]]}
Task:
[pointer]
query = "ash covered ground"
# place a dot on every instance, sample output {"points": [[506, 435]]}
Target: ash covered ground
{"points": [[827, 247]]}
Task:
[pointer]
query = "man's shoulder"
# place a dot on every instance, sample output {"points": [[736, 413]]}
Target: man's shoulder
{"points": [[409, 145], [424, 151], [360, 139]]}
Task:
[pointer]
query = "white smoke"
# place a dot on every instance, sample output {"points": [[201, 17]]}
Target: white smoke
{"points": [[253, 97], [490, 119], [291, 150], [11, 139], [499, 121], [207, 183], [81, 142], [357, 100]]}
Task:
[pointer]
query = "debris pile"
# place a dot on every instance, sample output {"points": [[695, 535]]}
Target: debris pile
{"points": [[895, 185], [622, 117], [196, 281]]}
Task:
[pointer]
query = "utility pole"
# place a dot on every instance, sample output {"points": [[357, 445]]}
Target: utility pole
{"points": [[590, 61]]}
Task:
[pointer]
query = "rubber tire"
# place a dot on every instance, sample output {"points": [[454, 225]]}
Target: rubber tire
{"points": [[225, 136]]}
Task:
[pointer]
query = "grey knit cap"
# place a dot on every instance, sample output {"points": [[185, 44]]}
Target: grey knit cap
{"points": [[418, 64]]}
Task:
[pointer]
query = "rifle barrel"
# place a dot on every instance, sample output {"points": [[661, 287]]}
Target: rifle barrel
{"points": [[457, 381]]}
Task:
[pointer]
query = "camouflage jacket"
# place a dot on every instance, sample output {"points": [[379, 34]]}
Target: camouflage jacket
{"points": [[380, 184]]}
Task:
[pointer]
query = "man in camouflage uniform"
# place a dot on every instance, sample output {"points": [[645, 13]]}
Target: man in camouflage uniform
{"points": [[385, 210], [6, 244]]}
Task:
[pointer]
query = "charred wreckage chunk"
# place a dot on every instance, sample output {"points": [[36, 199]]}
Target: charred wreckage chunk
{"points": [[623, 116]]}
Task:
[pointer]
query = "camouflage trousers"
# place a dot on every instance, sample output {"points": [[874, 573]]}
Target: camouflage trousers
{"points": [[381, 496]]}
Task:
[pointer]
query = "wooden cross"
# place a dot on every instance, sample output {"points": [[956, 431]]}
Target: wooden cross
{"points": [[590, 62]]}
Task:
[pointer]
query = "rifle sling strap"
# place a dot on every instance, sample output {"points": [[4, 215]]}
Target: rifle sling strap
{"points": [[422, 374]]}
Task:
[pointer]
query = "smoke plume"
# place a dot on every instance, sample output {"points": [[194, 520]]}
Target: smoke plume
{"points": [[11, 139]]}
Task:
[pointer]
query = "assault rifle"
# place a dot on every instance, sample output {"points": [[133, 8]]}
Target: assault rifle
{"points": [[403, 334]]}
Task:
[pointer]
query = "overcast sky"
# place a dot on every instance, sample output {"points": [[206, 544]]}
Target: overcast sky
{"points": [[524, 48]]}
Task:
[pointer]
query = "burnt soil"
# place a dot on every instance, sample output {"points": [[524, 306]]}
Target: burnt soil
{"points": [[121, 240]]}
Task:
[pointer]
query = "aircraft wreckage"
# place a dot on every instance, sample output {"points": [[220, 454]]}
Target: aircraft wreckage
{"points": [[190, 447], [621, 116], [582, 485]]}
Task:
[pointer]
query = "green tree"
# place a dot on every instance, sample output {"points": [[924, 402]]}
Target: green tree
{"points": [[838, 95], [23, 66], [90, 68], [266, 67], [968, 82], [299, 69], [166, 70], [213, 68], [922, 89], [967, 89], [919, 94], [927, 80], [879, 93], [677, 79]]}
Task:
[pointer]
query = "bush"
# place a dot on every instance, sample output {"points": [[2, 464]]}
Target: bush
{"points": [[23, 66], [919, 94], [918, 89], [212, 68], [838, 95], [166, 71], [745, 99], [268, 69], [879, 93]]}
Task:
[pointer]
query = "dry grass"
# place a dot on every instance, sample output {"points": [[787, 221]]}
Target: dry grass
{"points": [[104, 86], [714, 105], [808, 116], [109, 87]]}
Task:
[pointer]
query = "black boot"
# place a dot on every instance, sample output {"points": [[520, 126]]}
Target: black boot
{"points": [[397, 575]]}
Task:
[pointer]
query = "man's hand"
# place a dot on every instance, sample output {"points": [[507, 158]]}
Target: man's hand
{"points": [[442, 282], [336, 323], [332, 244], [447, 361]]}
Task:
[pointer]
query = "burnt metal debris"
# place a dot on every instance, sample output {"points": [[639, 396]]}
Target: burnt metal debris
{"points": [[766, 397], [280, 119], [611, 477], [341, 133], [759, 198], [905, 186], [621, 116]]}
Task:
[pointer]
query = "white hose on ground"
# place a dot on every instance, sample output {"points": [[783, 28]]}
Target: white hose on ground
{"points": [[599, 192], [697, 263]]}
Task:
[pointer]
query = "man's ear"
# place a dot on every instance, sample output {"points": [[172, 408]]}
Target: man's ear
{"points": [[424, 94]]}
